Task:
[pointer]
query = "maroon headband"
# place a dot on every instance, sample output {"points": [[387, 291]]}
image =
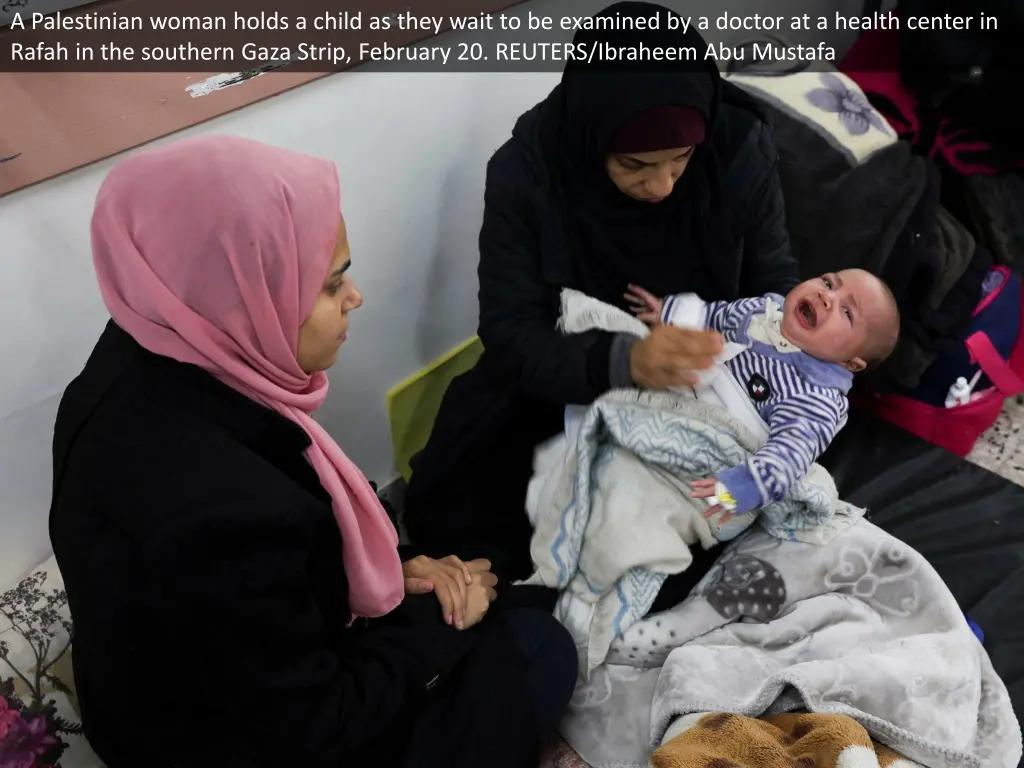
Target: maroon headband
{"points": [[659, 128]]}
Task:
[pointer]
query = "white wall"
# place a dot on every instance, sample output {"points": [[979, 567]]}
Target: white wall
{"points": [[411, 151], [411, 168]]}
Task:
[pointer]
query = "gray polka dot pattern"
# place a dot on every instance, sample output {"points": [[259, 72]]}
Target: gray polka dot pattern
{"points": [[747, 586], [724, 597]]}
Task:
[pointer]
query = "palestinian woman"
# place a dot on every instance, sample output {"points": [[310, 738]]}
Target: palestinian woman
{"points": [[649, 173], [237, 589]]}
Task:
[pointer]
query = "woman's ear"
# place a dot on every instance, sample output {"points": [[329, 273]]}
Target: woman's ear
{"points": [[856, 365]]}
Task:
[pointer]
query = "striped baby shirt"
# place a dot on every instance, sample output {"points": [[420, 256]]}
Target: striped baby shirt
{"points": [[803, 400]]}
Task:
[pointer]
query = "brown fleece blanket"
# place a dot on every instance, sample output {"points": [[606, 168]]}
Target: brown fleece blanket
{"points": [[722, 740]]}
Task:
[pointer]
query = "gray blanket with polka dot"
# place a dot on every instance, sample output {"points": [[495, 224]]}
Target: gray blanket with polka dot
{"points": [[863, 627]]}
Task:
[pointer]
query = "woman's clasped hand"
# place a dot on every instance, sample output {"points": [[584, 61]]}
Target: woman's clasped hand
{"points": [[464, 589]]}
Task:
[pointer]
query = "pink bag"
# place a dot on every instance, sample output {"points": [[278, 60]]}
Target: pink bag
{"points": [[957, 429]]}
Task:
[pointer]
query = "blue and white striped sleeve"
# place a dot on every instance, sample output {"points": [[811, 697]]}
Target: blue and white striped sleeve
{"points": [[800, 428], [686, 310], [727, 317]]}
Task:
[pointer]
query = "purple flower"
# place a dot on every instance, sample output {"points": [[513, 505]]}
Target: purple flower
{"points": [[854, 110], [26, 742], [7, 716]]}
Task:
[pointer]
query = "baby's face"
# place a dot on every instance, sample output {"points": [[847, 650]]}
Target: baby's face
{"points": [[837, 317]]}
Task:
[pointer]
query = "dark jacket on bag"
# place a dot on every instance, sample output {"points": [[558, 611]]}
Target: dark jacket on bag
{"points": [[469, 483], [205, 578], [996, 213]]}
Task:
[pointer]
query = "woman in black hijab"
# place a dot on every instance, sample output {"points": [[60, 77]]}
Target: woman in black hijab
{"points": [[651, 173], [632, 170]]}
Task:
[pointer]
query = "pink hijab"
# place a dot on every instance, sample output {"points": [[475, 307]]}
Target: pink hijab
{"points": [[212, 251]]}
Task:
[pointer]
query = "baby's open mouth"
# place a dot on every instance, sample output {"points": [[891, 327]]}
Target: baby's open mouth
{"points": [[808, 317]]}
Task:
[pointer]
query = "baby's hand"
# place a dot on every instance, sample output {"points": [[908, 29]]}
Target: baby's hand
{"points": [[705, 489], [646, 306]]}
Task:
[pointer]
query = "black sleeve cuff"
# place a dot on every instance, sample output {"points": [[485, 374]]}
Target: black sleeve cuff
{"points": [[619, 369], [608, 362]]}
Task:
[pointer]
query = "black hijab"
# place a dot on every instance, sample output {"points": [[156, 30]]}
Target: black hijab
{"points": [[682, 243]]}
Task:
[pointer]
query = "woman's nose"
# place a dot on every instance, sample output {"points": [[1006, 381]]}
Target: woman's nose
{"points": [[355, 300], [661, 185]]}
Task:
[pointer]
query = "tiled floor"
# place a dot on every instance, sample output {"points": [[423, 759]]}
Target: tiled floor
{"points": [[1000, 450], [561, 755]]}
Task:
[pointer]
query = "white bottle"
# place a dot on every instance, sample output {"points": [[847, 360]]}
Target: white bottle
{"points": [[959, 393]]}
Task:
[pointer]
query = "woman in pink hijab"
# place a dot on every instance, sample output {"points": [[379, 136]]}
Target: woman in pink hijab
{"points": [[238, 591]]}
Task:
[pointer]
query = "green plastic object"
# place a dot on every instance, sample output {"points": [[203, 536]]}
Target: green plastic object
{"points": [[413, 404]]}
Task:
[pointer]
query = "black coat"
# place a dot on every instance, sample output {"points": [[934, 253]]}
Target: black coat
{"points": [[204, 574], [469, 483]]}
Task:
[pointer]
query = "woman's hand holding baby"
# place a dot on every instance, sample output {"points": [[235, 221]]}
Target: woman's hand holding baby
{"points": [[669, 356]]}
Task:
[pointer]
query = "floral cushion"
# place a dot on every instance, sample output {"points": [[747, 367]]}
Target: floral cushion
{"points": [[831, 104], [39, 722]]}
